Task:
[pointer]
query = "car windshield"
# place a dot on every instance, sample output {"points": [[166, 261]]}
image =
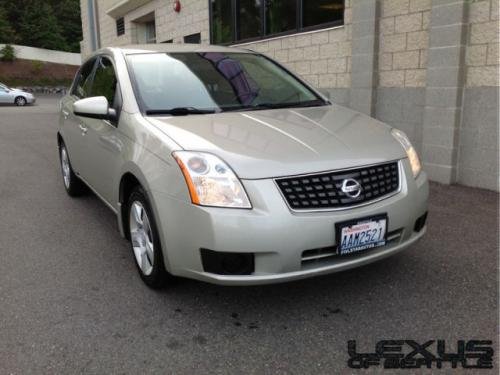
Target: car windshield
{"points": [[207, 82]]}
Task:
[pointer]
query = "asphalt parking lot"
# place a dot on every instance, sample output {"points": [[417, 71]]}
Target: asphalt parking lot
{"points": [[71, 300]]}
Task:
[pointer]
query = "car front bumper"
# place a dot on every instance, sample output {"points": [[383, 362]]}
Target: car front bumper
{"points": [[277, 236]]}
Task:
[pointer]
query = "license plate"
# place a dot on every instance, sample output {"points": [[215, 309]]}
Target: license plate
{"points": [[362, 234]]}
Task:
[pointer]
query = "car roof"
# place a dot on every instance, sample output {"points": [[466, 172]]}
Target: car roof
{"points": [[171, 47]]}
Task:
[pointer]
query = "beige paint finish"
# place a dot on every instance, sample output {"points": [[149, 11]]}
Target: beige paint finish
{"points": [[258, 146]]}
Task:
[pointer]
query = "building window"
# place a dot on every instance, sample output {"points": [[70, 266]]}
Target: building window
{"points": [[145, 29], [120, 26], [222, 24], [280, 17], [317, 12], [249, 19], [245, 20], [168, 41], [150, 28], [193, 38]]}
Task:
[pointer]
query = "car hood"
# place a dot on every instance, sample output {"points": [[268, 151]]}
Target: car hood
{"points": [[284, 142], [18, 91]]}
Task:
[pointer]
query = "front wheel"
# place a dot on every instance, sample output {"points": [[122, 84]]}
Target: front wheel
{"points": [[20, 101], [145, 240], [73, 185]]}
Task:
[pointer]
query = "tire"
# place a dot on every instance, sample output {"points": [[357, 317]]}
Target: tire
{"points": [[73, 185], [20, 101], [145, 240]]}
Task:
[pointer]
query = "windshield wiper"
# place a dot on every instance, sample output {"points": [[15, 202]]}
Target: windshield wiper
{"points": [[180, 111], [261, 106], [309, 103]]}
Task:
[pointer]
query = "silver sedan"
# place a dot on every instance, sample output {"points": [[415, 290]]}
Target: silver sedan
{"points": [[15, 96], [223, 166]]}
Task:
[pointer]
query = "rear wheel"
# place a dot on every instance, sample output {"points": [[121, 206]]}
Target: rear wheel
{"points": [[73, 185], [145, 240], [20, 101]]}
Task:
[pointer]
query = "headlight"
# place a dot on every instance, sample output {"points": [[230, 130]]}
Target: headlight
{"points": [[210, 181], [416, 167]]}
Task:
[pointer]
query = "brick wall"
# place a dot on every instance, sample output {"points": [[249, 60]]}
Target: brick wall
{"points": [[23, 72], [482, 57], [427, 67], [402, 65], [192, 19], [404, 40], [169, 24], [478, 152]]}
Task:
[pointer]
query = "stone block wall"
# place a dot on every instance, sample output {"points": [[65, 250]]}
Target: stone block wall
{"points": [[404, 38], [428, 67], [478, 152]]}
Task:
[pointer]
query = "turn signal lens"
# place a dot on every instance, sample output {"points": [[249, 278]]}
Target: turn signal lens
{"points": [[210, 181], [402, 138]]}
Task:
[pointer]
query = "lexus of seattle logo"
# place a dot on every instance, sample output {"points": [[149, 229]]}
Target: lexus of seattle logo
{"points": [[351, 188], [413, 355]]}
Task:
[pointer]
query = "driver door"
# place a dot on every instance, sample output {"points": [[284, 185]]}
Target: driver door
{"points": [[73, 134], [104, 144]]}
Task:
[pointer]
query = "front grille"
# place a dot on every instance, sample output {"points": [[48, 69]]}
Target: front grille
{"points": [[324, 190]]}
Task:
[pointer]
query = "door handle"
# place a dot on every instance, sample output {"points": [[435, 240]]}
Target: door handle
{"points": [[83, 128]]}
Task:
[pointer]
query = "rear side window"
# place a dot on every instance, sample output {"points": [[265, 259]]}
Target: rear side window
{"points": [[83, 80], [105, 81]]}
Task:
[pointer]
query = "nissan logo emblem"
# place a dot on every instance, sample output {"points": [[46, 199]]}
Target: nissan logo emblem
{"points": [[351, 188]]}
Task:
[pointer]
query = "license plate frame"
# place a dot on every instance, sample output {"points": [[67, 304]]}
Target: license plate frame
{"points": [[343, 250]]}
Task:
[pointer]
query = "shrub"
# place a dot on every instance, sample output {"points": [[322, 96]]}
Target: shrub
{"points": [[36, 67], [7, 53]]}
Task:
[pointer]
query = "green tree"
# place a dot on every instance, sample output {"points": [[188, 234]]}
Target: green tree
{"points": [[6, 31], [57, 22], [68, 15], [39, 27]]}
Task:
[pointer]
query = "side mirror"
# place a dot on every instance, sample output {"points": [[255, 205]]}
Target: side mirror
{"points": [[95, 107]]}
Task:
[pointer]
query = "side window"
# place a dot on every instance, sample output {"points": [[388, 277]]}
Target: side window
{"points": [[83, 80], [105, 81]]}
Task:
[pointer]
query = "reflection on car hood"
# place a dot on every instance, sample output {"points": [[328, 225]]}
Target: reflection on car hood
{"points": [[21, 91], [284, 142]]}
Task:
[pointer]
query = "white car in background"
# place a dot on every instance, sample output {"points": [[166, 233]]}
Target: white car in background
{"points": [[14, 96]]}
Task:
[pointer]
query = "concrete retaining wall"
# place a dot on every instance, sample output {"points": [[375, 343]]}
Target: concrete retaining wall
{"points": [[46, 55]]}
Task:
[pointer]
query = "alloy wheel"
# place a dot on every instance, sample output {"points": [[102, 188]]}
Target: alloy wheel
{"points": [[142, 237], [66, 169], [20, 101]]}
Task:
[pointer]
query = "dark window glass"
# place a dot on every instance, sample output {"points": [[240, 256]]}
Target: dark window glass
{"points": [[83, 80], [240, 20], [317, 12], [120, 26], [215, 81], [105, 80], [168, 41], [193, 38], [150, 29], [281, 16], [249, 19], [222, 21]]}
